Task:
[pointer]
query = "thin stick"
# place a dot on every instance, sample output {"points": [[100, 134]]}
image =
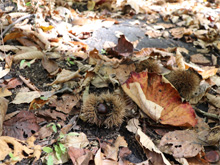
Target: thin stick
{"points": [[11, 25], [207, 114]]}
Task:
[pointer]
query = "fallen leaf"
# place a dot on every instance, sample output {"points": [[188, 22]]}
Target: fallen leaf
{"points": [[76, 140], [66, 104], [12, 83], [4, 92], [148, 89], [21, 126], [124, 48], [37, 104], [214, 99], [18, 149], [25, 97], [3, 110], [181, 144], [152, 152], [45, 29], [50, 65], [153, 33], [12, 35], [79, 156], [199, 59], [111, 152], [213, 137], [45, 132], [157, 157], [65, 76], [4, 72], [27, 42], [49, 115], [179, 32], [28, 55], [99, 157]]}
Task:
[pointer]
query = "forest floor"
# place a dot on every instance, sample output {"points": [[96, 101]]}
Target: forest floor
{"points": [[110, 82]]}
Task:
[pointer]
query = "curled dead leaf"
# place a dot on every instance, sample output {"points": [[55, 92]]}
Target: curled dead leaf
{"points": [[65, 75]]}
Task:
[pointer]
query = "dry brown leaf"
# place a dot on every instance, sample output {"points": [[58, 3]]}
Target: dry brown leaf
{"points": [[50, 65], [111, 152], [4, 72], [213, 99], [153, 33], [213, 137], [3, 110], [5, 92], [179, 58], [199, 59], [133, 125], [179, 32], [29, 55], [147, 143], [79, 156], [99, 157], [25, 97], [150, 108], [76, 140], [17, 49], [12, 35], [208, 72], [66, 104], [155, 155], [19, 148], [65, 75], [26, 42], [21, 126], [181, 144]]}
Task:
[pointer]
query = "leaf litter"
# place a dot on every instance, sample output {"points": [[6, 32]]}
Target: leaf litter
{"points": [[65, 100]]}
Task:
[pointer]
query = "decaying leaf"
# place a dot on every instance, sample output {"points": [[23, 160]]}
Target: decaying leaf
{"points": [[3, 110], [182, 144], [21, 126], [165, 100], [18, 149], [66, 104]]}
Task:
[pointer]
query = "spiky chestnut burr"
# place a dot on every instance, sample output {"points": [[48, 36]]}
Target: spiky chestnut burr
{"points": [[185, 81], [150, 64], [106, 109]]}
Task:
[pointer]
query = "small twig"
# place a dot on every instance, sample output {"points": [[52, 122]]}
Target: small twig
{"points": [[207, 114], [11, 25]]}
